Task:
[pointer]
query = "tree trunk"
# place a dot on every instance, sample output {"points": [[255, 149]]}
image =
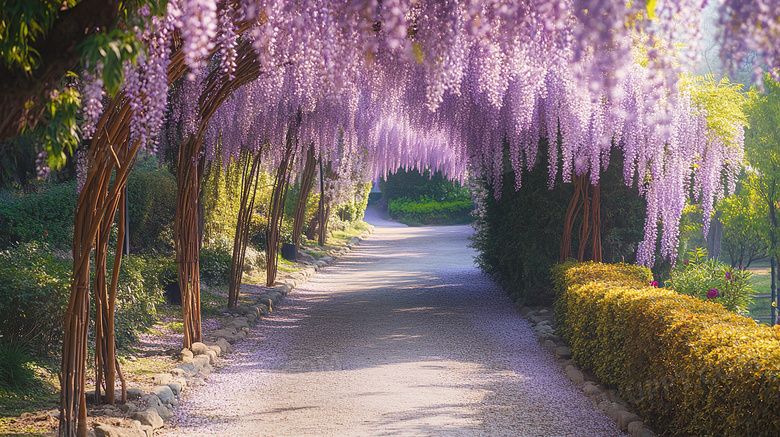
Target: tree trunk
{"points": [[251, 172], [590, 225], [596, 224], [95, 211], [276, 209], [187, 240], [307, 180]]}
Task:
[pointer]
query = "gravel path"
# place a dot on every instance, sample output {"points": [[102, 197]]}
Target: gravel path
{"points": [[402, 336]]}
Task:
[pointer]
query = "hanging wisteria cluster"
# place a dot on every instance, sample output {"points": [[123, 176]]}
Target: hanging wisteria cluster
{"points": [[462, 84]]}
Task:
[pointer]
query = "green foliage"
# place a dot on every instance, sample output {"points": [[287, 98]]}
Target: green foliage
{"points": [[15, 370], [152, 203], [139, 293], [762, 149], [43, 216], [413, 185], [221, 194], [698, 276], [26, 24], [61, 134], [427, 211], [111, 49], [690, 367], [745, 226], [353, 211], [722, 102], [215, 258], [34, 288], [23, 24], [519, 235]]}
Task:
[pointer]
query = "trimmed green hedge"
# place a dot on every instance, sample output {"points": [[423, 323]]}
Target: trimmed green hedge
{"points": [[428, 211], [690, 367]]}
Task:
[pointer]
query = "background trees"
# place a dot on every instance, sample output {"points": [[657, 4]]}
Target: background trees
{"points": [[762, 147]]}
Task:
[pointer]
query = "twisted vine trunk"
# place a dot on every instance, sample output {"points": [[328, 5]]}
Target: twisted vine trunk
{"points": [[187, 238], [95, 212], [250, 174], [590, 225], [106, 363], [187, 231], [276, 214], [307, 180], [323, 214]]}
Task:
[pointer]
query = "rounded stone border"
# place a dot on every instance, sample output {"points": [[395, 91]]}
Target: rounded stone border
{"points": [[543, 321]]}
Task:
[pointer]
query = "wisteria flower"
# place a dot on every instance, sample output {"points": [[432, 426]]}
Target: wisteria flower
{"points": [[712, 293]]}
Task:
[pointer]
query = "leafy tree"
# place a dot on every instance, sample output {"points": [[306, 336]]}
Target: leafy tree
{"points": [[744, 218], [42, 42], [762, 147]]}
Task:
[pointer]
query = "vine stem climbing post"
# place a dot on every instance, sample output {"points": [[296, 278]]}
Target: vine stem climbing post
{"points": [[276, 210], [590, 225], [250, 174], [216, 90], [95, 211], [307, 180]]}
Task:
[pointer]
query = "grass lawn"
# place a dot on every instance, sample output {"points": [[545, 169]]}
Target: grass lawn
{"points": [[762, 281]]}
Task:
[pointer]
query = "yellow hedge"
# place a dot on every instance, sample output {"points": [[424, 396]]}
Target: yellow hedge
{"points": [[689, 366]]}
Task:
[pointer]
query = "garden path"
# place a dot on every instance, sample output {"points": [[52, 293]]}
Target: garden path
{"points": [[402, 336]]}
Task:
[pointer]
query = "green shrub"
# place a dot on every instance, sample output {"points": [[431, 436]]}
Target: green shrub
{"points": [[215, 259], [46, 215], [152, 205], [414, 185], [139, 293], [690, 367], [519, 235], [34, 288], [15, 370], [354, 211], [712, 280], [428, 211]]}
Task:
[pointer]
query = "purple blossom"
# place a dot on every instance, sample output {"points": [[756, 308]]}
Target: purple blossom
{"points": [[712, 294], [449, 92]]}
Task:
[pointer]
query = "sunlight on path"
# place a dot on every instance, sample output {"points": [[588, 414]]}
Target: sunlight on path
{"points": [[403, 336]]}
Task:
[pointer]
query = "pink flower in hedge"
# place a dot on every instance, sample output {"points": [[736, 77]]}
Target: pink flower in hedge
{"points": [[654, 283], [728, 275], [687, 261], [712, 294]]}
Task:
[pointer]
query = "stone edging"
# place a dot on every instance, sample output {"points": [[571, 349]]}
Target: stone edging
{"points": [[149, 411], [609, 402]]}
